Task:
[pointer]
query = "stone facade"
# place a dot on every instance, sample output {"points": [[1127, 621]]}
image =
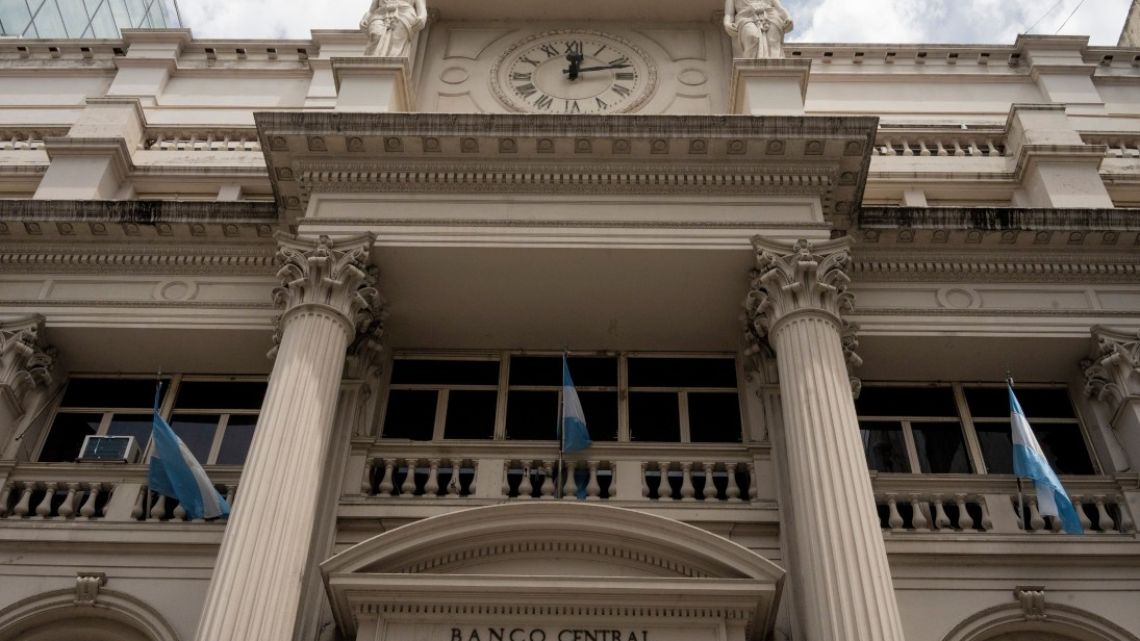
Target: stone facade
{"points": [[789, 288]]}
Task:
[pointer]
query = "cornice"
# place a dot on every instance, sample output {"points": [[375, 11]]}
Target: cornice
{"points": [[999, 219], [245, 260], [870, 265]]}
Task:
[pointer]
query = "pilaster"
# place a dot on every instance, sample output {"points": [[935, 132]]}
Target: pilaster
{"points": [[328, 298], [841, 583], [769, 86], [1057, 65], [1112, 380], [26, 364], [94, 160], [374, 85], [1055, 167]]}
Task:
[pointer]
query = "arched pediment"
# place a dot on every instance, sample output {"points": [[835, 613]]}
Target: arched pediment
{"points": [[565, 558]]}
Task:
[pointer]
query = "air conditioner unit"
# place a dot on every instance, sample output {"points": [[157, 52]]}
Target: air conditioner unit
{"points": [[109, 449]]}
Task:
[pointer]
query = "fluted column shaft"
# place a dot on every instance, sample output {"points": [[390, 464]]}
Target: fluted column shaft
{"points": [[259, 577], [841, 578]]}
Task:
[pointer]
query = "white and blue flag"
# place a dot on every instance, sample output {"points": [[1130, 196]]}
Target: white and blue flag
{"points": [[174, 472], [1029, 462], [574, 434]]}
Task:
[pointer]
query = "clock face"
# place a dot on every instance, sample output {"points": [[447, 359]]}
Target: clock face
{"points": [[534, 75]]}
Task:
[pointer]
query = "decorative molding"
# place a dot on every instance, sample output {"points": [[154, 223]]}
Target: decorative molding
{"points": [[336, 276], [590, 611], [25, 362], [868, 266], [1032, 601], [1112, 373], [999, 218], [87, 586], [186, 260]]}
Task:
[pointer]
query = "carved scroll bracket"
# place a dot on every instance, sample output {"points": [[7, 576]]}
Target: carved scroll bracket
{"points": [[25, 361]]}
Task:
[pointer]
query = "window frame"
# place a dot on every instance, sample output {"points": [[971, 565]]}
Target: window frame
{"points": [[622, 389], [968, 422], [166, 409]]}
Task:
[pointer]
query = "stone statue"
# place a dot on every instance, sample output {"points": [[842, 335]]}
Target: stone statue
{"points": [[757, 27], [391, 25]]}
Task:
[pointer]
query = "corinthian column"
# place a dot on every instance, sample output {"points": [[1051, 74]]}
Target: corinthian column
{"points": [[25, 366], [840, 577], [327, 297], [1112, 378]]}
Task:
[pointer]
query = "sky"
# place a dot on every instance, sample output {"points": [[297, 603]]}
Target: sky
{"points": [[883, 21]]}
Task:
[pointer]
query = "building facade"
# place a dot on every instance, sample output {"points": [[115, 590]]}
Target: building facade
{"points": [[789, 280]]}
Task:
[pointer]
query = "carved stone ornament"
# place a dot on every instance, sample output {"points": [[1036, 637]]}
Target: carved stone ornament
{"points": [[335, 275], [392, 25], [803, 277], [757, 27], [1032, 601], [1112, 374], [25, 363], [87, 586]]}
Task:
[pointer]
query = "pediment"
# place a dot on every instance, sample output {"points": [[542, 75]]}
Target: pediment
{"points": [[565, 559]]}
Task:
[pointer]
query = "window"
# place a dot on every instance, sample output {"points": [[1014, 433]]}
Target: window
{"points": [[642, 398], [214, 417], [963, 428]]}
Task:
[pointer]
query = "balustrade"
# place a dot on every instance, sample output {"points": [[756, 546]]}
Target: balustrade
{"points": [[1105, 513], [151, 506], [163, 140], [937, 512], [731, 481], [427, 478], [54, 500], [940, 144], [591, 480]]}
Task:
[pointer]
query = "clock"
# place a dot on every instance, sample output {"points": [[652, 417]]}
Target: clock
{"points": [[573, 72]]}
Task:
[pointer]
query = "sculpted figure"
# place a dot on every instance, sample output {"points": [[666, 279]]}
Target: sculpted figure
{"points": [[391, 25], [757, 27]]}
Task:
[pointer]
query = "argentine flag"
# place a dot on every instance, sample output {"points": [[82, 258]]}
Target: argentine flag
{"points": [[1029, 462], [174, 472], [574, 434]]}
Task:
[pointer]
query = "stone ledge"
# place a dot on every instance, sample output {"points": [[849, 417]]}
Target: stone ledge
{"points": [[139, 212], [999, 219]]}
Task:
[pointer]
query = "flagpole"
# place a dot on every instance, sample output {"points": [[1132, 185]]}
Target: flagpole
{"points": [[558, 430], [1020, 493], [157, 395]]}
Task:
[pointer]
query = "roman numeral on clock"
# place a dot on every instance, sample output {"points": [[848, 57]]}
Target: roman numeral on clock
{"points": [[622, 90], [572, 107], [550, 51], [528, 61], [625, 75], [543, 102], [602, 104], [522, 77], [527, 90], [620, 61]]}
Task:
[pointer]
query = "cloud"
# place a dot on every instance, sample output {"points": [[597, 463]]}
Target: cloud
{"points": [[884, 21]]}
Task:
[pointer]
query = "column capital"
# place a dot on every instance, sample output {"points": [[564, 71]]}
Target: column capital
{"points": [[336, 276], [26, 362], [1112, 372]]}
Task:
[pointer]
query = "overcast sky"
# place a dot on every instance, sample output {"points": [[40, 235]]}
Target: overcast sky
{"points": [[888, 21]]}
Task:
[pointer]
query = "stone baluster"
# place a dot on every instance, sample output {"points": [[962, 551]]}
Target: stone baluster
{"points": [[958, 151], [918, 517], [328, 302], [688, 492], [67, 508], [1104, 521], [526, 488], [386, 486], [923, 150], [991, 149], [942, 149], [506, 489], [709, 490], [431, 487], [5, 495], [889, 148], [140, 501], [570, 488], [753, 482], [732, 484], [43, 510], [179, 513], [547, 489], [1036, 521], [1127, 525], [987, 520], [90, 506], [232, 494], [974, 149], [1055, 524], [894, 519], [965, 521], [941, 521], [366, 480], [158, 510], [455, 484], [664, 490], [408, 488], [593, 488], [644, 482], [907, 150], [24, 505], [795, 304], [1078, 505]]}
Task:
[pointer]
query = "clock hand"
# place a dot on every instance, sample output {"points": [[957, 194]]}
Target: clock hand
{"points": [[575, 71], [575, 60]]}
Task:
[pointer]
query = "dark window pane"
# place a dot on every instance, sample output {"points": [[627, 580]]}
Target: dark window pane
{"points": [[410, 414], [941, 448], [470, 414], [714, 418], [228, 395], [601, 410], [654, 416], [537, 370], [197, 432], [132, 425], [444, 372], [111, 392], [235, 442], [532, 416], [1064, 448], [884, 446], [906, 401], [66, 436], [592, 371], [682, 372], [992, 402], [997, 446]]}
